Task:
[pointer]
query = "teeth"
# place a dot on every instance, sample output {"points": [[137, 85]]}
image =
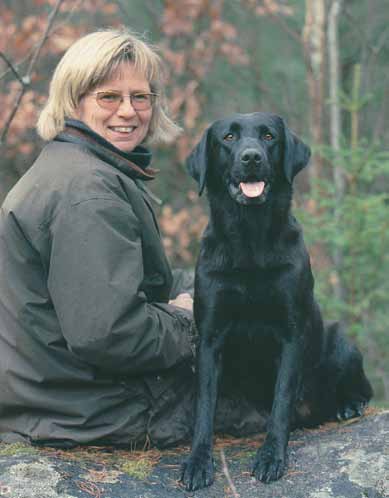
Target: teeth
{"points": [[123, 129]]}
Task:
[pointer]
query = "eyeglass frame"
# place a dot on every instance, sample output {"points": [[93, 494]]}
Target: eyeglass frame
{"points": [[129, 95]]}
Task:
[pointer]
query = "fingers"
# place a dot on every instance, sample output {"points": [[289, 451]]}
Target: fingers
{"points": [[183, 300]]}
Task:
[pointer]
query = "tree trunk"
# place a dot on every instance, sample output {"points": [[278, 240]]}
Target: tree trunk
{"points": [[314, 50], [335, 132]]}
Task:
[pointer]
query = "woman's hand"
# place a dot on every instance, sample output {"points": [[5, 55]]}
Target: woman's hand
{"points": [[183, 300]]}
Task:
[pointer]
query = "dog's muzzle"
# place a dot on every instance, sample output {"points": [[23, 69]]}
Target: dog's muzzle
{"points": [[247, 187]]}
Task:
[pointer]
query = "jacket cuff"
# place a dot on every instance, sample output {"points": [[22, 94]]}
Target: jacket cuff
{"points": [[186, 318], [186, 321]]}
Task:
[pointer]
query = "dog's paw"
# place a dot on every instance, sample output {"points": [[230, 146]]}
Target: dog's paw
{"points": [[350, 409], [270, 463], [197, 472]]}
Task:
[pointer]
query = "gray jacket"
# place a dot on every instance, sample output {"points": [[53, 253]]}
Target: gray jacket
{"points": [[87, 339]]}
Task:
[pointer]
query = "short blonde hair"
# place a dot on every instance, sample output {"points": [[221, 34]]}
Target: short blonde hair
{"points": [[91, 61]]}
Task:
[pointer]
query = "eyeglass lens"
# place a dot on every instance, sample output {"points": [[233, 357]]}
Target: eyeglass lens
{"points": [[112, 100]]}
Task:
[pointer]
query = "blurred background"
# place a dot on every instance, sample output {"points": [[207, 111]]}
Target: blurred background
{"points": [[321, 64]]}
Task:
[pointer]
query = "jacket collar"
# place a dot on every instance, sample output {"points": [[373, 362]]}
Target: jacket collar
{"points": [[134, 164]]}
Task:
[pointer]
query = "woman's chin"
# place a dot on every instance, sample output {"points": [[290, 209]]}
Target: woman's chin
{"points": [[124, 147], [125, 144]]}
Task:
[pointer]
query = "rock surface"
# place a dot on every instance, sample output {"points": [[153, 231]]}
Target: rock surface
{"points": [[345, 460]]}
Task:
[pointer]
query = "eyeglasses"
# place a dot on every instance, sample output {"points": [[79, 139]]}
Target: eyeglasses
{"points": [[112, 100]]}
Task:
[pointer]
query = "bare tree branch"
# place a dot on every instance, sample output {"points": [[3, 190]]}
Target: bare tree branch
{"points": [[354, 26], [17, 101], [50, 21], [25, 81], [53, 30], [18, 98], [11, 67], [279, 20]]}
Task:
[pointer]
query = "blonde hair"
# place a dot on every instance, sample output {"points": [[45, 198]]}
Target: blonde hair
{"points": [[91, 61]]}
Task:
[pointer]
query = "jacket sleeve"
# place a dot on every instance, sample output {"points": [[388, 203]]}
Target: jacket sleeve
{"points": [[183, 281], [95, 282]]}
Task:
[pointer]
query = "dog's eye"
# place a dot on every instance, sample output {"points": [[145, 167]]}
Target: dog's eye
{"points": [[229, 137], [268, 136]]}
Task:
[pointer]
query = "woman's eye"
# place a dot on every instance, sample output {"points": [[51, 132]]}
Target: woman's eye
{"points": [[109, 97], [229, 137], [268, 136], [140, 97]]}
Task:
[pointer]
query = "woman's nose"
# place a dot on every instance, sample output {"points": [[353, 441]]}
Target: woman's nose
{"points": [[125, 108]]}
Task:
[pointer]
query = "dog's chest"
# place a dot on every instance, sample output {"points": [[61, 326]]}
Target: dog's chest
{"points": [[251, 298], [249, 252], [257, 287]]}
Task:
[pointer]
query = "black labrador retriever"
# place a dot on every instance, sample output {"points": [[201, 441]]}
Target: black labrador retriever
{"points": [[261, 330]]}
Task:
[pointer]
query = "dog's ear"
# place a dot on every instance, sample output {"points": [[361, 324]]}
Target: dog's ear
{"points": [[197, 162], [296, 154]]}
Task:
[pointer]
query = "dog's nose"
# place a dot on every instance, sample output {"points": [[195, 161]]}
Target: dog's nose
{"points": [[251, 156]]}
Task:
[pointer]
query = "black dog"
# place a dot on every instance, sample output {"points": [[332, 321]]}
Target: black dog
{"points": [[261, 331]]}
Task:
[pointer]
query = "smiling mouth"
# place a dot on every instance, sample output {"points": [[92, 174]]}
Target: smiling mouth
{"points": [[122, 129]]}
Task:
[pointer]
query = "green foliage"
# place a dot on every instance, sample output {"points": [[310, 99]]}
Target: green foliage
{"points": [[357, 227]]}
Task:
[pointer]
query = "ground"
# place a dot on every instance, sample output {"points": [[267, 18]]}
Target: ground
{"points": [[337, 460]]}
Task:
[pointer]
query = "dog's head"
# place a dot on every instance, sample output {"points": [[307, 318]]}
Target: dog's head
{"points": [[249, 152]]}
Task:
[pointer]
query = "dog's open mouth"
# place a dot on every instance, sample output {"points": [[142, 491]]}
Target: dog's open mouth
{"points": [[252, 190], [249, 193]]}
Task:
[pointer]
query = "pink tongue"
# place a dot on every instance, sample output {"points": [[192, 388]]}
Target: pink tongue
{"points": [[254, 189]]}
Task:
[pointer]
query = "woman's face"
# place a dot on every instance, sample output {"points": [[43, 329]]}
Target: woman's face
{"points": [[124, 127]]}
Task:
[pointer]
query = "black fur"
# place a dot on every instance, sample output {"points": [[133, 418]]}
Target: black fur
{"points": [[261, 330]]}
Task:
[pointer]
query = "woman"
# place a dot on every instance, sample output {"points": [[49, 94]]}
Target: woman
{"points": [[88, 338], [91, 349]]}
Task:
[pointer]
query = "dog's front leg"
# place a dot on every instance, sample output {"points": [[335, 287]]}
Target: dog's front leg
{"points": [[271, 459], [198, 470]]}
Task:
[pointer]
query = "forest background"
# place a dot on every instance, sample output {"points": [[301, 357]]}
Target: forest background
{"points": [[321, 64]]}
